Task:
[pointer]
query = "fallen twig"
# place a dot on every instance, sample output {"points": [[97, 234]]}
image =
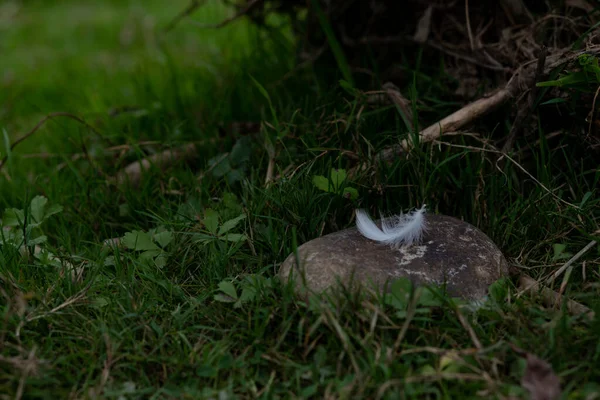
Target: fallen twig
{"points": [[112, 243], [401, 102], [550, 297], [132, 173], [571, 261], [522, 79], [189, 10]]}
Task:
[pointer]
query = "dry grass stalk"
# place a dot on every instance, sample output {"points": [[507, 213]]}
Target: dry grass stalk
{"points": [[132, 173]]}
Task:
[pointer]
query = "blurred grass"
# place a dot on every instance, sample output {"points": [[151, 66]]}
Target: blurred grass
{"points": [[93, 56]]}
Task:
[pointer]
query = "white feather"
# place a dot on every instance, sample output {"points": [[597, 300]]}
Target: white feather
{"points": [[400, 230]]}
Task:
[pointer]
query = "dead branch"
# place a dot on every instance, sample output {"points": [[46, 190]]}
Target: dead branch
{"points": [[132, 173], [189, 10], [576, 257], [401, 102], [243, 11], [451, 123], [523, 79], [551, 298], [424, 26]]}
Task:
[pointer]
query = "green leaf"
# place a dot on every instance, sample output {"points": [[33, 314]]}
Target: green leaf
{"points": [[228, 288], [38, 240], [248, 294], [348, 87], [211, 220], [351, 193], [265, 94], [338, 177], [219, 165], [203, 238], [334, 44], [161, 260], [554, 101], [206, 371], [261, 89], [451, 362], [150, 254], [124, 210], [427, 297], [321, 183], [585, 198], [240, 153], [99, 302], [13, 217], [309, 391], [235, 175], [53, 209], [571, 79], [499, 290], [224, 298], [234, 237], [559, 252], [427, 370], [230, 201], [163, 238], [139, 240], [399, 293], [226, 361], [232, 223], [38, 203]]}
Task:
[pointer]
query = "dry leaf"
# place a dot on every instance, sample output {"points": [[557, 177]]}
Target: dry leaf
{"points": [[423, 27], [540, 380]]}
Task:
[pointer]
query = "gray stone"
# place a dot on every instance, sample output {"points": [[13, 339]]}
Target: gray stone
{"points": [[452, 252]]}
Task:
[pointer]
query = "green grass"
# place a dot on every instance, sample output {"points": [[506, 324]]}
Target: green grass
{"points": [[143, 321]]}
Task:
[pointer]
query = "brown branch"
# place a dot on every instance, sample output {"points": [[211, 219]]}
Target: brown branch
{"points": [[132, 173], [39, 125], [189, 10], [551, 298], [451, 123], [245, 10], [520, 81]]}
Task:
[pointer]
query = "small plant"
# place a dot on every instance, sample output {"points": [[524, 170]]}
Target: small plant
{"points": [[233, 165], [22, 229], [399, 297], [151, 244], [589, 74], [220, 232], [336, 183], [560, 252], [249, 288]]}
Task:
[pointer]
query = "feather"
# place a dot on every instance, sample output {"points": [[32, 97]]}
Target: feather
{"points": [[403, 229]]}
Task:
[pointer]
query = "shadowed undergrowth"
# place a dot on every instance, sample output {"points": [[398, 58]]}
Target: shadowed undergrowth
{"points": [[189, 305]]}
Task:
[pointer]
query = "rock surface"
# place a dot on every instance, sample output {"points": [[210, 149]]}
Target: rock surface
{"points": [[452, 252]]}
